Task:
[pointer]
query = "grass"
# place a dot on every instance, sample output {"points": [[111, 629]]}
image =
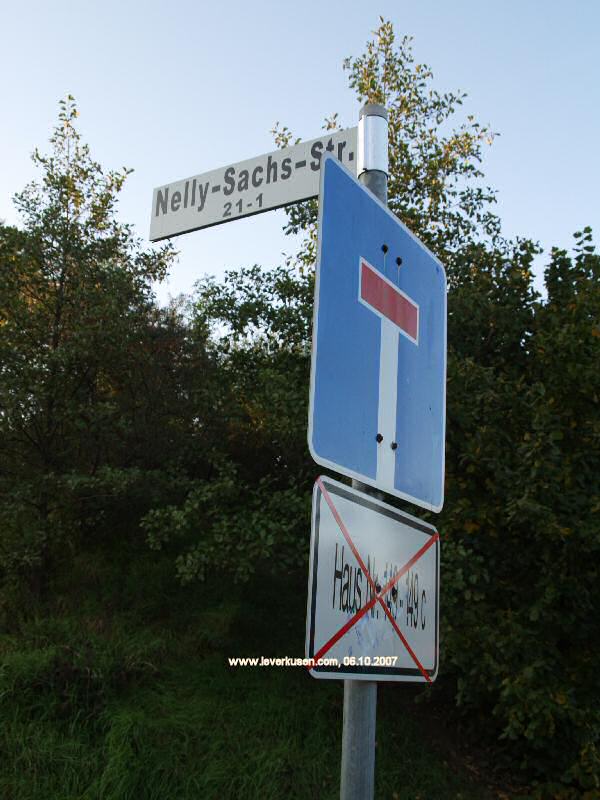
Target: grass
{"points": [[119, 688]]}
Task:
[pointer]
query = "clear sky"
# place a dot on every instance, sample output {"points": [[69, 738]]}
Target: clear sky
{"points": [[179, 88]]}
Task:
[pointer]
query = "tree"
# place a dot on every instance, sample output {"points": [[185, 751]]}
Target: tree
{"points": [[251, 511], [435, 181], [77, 337]]}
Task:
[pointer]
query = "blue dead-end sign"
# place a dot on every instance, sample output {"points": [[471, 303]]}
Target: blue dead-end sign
{"points": [[378, 376]]}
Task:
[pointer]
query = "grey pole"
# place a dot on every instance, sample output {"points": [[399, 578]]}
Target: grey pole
{"points": [[360, 697]]}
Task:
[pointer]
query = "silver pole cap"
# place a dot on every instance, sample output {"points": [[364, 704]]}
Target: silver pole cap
{"points": [[372, 139]]}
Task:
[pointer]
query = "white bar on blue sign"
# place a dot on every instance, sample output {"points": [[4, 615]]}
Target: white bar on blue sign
{"points": [[388, 405]]}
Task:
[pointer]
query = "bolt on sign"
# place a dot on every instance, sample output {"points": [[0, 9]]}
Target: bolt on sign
{"points": [[259, 184], [373, 589]]}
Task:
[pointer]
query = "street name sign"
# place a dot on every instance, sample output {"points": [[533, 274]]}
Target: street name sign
{"points": [[377, 402], [249, 187], [373, 589]]}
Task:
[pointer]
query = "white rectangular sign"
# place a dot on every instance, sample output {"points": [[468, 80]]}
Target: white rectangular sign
{"points": [[249, 187], [373, 589]]}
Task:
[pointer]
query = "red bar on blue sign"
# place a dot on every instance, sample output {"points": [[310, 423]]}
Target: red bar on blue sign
{"points": [[389, 301]]}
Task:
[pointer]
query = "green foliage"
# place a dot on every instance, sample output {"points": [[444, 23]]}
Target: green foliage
{"points": [[232, 528], [138, 700], [254, 506], [434, 161], [80, 342], [54, 681], [434, 173], [192, 420], [522, 536]]}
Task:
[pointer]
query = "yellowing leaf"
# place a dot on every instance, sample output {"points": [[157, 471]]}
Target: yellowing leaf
{"points": [[471, 527]]}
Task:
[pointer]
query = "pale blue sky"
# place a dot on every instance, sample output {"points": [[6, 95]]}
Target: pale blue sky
{"points": [[173, 89]]}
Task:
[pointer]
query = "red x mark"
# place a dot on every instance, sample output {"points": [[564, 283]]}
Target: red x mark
{"points": [[377, 596]]}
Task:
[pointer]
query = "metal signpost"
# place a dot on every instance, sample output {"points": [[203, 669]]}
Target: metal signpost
{"points": [[373, 589], [377, 415], [249, 187], [377, 409]]}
